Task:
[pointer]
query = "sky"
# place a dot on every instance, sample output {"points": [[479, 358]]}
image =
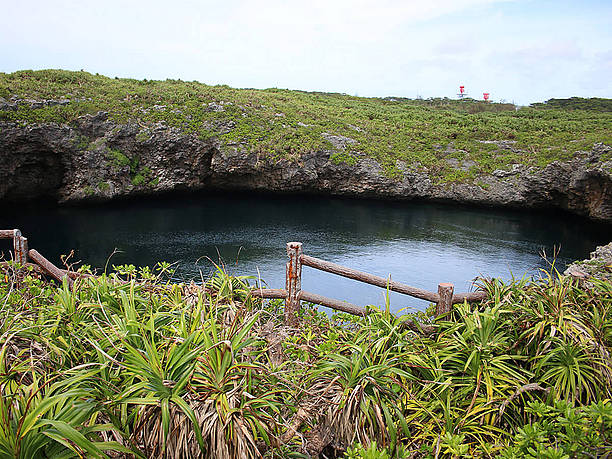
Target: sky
{"points": [[519, 51]]}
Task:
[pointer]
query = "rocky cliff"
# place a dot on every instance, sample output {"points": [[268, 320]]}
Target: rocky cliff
{"points": [[95, 158], [598, 266]]}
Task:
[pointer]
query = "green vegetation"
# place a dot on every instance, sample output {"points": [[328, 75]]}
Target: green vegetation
{"points": [[120, 160], [82, 143], [142, 177], [130, 364], [143, 136], [578, 103], [286, 124], [343, 157]]}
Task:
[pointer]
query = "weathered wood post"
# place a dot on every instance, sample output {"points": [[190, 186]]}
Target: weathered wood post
{"points": [[293, 282], [445, 303], [24, 248], [22, 254], [20, 247], [16, 236]]}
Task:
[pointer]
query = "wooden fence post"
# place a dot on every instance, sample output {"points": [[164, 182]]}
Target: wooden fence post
{"points": [[16, 236], [293, 282], [24, 249], [22, 253], [445, 304], [19, 247]]}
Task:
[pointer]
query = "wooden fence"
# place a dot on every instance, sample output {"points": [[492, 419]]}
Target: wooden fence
{"points": [[23, 256], [293, 293]]}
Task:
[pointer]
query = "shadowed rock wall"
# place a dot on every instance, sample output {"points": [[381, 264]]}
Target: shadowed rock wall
{"points": [[96, 159]]}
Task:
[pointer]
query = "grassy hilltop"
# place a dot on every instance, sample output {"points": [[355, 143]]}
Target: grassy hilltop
{"points": [[431, 135]]}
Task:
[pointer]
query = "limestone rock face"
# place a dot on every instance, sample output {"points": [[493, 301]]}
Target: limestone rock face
{"points": [[98, 159], [598, 266]]}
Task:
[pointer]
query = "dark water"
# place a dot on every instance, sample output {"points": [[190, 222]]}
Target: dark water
{"points": [[418, 244]]}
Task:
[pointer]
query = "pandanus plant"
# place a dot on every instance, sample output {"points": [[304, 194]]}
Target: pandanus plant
{"points": [[234, 402], [466, 372], [49, 417], [363, 388], [562, 332]]}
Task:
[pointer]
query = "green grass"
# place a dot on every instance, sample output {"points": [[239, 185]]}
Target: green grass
{"points": [[286, 124], [120, 160], [133, 365], [142, 177], [343, 157]]}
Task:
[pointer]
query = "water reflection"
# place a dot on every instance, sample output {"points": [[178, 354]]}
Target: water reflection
{"points": [[419, 244]]}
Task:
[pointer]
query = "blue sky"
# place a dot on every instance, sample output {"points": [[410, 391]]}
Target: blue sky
{"points": [[517, 50]]}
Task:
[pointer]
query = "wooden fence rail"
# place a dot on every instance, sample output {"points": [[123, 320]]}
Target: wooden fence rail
{"points": [[293, 293], [21, 255], [369, 278]]}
